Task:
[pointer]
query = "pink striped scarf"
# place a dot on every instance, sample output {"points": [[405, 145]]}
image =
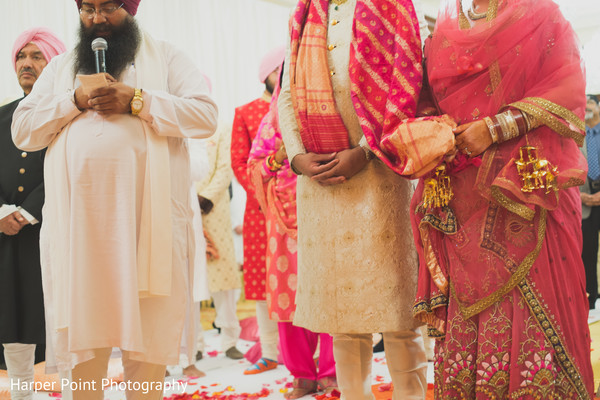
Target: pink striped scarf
{"points": [[385, 71]]}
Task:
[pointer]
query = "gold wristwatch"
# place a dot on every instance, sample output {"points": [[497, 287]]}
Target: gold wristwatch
{"points": [[137, 103]]}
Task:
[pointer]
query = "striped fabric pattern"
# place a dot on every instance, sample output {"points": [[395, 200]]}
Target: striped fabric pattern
{"points": [[385, 71], [321, 126]]}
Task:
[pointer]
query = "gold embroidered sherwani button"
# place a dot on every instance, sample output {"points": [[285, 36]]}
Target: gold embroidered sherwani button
{"points": [[334, 22], [22, 171], [20, 188], [24, 154], [331, 47]]}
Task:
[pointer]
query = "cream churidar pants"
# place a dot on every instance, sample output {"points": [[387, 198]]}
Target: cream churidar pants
{"points": [[86, 378], [405, 357]]}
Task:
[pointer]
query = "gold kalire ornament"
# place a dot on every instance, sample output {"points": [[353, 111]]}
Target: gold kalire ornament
{"points": [[437, 191], [535, 173]]}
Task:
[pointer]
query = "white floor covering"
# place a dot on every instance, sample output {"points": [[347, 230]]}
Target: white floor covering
{"points": [[225, 376]]}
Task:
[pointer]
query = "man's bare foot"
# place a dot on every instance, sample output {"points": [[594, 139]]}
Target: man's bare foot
{"points": [[193, 372]]}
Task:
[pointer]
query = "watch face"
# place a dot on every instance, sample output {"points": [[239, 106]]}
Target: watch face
{"points": [[136, 104]]}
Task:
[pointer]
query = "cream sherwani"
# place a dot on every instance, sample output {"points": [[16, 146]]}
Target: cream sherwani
{"points": [[223, 273], [97, 184], [357, 264]]}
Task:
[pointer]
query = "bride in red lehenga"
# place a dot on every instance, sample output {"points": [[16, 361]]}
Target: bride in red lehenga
{"points": [[501, 282]]}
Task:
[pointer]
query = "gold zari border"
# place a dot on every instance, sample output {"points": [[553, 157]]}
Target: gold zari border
{"points": [[492, 11], [516, 208], [513, 281], [550, 332], [547, 118], [561, 111], [423, 311], [495, 75], [435, 270], [463, 22]]}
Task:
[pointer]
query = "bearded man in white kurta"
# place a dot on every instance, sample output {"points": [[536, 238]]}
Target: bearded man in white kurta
{"points": [[117, 233]]}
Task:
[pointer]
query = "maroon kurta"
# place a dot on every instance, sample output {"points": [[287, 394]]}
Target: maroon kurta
{"points": [[245, 125]]}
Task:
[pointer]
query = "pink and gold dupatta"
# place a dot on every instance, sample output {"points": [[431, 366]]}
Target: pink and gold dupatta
{"points": [[385, 72], [275, 191]]}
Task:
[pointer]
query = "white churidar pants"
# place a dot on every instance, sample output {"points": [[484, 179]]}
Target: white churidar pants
{"points": [[226, 306], [267, 331], [19, 360]]}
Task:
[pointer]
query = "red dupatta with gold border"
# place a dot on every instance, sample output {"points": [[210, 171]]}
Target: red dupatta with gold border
{"points": [[499, 238]]}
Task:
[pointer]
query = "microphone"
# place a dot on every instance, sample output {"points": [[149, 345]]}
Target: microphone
{"points": [[99, 46]]}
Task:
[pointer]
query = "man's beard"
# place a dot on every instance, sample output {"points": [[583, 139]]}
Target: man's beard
{"points": [[123, 44], [589, 115]]}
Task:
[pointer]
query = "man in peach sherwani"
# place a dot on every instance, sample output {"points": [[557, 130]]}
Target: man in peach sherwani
{"points": [[117, 231]]}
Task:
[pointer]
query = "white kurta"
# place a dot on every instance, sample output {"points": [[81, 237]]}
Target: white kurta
{"points": [[105, 166], [199, 170]]}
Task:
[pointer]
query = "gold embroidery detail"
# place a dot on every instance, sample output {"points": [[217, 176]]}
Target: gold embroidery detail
{"points": [[423, 311], [517, 232], [572, 182], [484, 169], [492, 11], [495, 247], [564, 359], [445, 225], [495, 75], [463, 22], [435, 270], [561, 111], [513, 281], [517, 208], [546, 118]]}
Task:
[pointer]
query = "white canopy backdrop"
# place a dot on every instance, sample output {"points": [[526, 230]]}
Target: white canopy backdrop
{"points": [[225, 38]]}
